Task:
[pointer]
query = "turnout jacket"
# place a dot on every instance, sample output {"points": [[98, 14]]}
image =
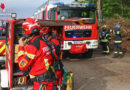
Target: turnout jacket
{"points": [[118, 37], [105, 36], [35, 56]]}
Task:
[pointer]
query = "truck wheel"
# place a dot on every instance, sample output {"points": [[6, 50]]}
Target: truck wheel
{"points": [[88, 54]]}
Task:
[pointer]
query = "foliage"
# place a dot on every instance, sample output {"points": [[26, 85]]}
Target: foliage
{"points": [[114, 8]]}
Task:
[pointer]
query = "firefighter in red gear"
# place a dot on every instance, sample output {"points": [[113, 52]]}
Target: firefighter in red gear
{"points": [[34, 54], [57, 47]]}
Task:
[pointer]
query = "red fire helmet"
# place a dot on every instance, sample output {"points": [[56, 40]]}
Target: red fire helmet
{"points": [[30, 26]]}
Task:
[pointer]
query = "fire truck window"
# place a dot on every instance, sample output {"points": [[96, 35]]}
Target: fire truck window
{"points": [[52, 14], [78, 13], [2, 30], [44, 15], [2, 33], [49, 15]]}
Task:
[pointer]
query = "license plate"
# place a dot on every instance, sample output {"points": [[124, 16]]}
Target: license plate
{"points": [[78, 42]]}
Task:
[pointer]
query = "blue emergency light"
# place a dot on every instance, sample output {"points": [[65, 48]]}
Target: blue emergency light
{"points": [[74, 36], [90, 4], [58, 3]]}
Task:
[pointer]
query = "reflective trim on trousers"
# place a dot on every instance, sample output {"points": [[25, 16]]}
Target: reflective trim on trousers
{"points": [[120, 52], [117, 41], [104, 40], [115, 52], [107, 50]]}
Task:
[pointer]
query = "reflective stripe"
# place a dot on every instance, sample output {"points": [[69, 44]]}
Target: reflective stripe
{"points": [[107, 50], [31, 56], [52, 68], [104, 40], [32, 76], [117, 41], [0, 43], [111, 30], [46, 63], [20, 53], [118, 32], [120, 52], [2, 48], [115, 52]]}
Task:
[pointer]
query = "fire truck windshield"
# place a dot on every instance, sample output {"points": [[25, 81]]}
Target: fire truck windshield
{"points": [[77, 14]]}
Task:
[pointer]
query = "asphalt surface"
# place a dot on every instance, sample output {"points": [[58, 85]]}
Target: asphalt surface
{"points": [[99, 72]]}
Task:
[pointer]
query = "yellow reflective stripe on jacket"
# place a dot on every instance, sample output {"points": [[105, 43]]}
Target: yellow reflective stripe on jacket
{"points": [[117, 41], [2, 48], [32, 76], [20, 53], [46, 63], [115, 52], [31, 56], [111, 31], [120, 52], [104, 40], [1, 43], [118, 32]]}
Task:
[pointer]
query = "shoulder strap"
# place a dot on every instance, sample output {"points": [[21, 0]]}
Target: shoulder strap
{"points": [[49, 45], [57, 47]]}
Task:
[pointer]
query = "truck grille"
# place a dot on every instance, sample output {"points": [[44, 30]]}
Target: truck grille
{"points": [[78, 33]]}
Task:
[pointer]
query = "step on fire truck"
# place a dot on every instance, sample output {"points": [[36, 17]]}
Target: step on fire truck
{"points": [[81, 35]]}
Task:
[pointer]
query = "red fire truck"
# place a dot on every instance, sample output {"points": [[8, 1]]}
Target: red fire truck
{"points": [[2, 43], [79, 36]]}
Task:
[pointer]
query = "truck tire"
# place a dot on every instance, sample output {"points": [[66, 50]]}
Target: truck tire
{"points": [[88, 54]]}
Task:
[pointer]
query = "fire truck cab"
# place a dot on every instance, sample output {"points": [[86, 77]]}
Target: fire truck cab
{"points": [[81, 31]]}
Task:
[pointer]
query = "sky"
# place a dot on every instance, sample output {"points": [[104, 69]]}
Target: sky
{"points": [[24, 8]]}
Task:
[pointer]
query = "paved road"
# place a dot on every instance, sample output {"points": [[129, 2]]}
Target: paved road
{"points": [[100, 72]]}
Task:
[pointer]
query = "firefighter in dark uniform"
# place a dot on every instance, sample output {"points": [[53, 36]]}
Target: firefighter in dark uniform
{"points": [[34, 54], [105, 39], [117, 42]]}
